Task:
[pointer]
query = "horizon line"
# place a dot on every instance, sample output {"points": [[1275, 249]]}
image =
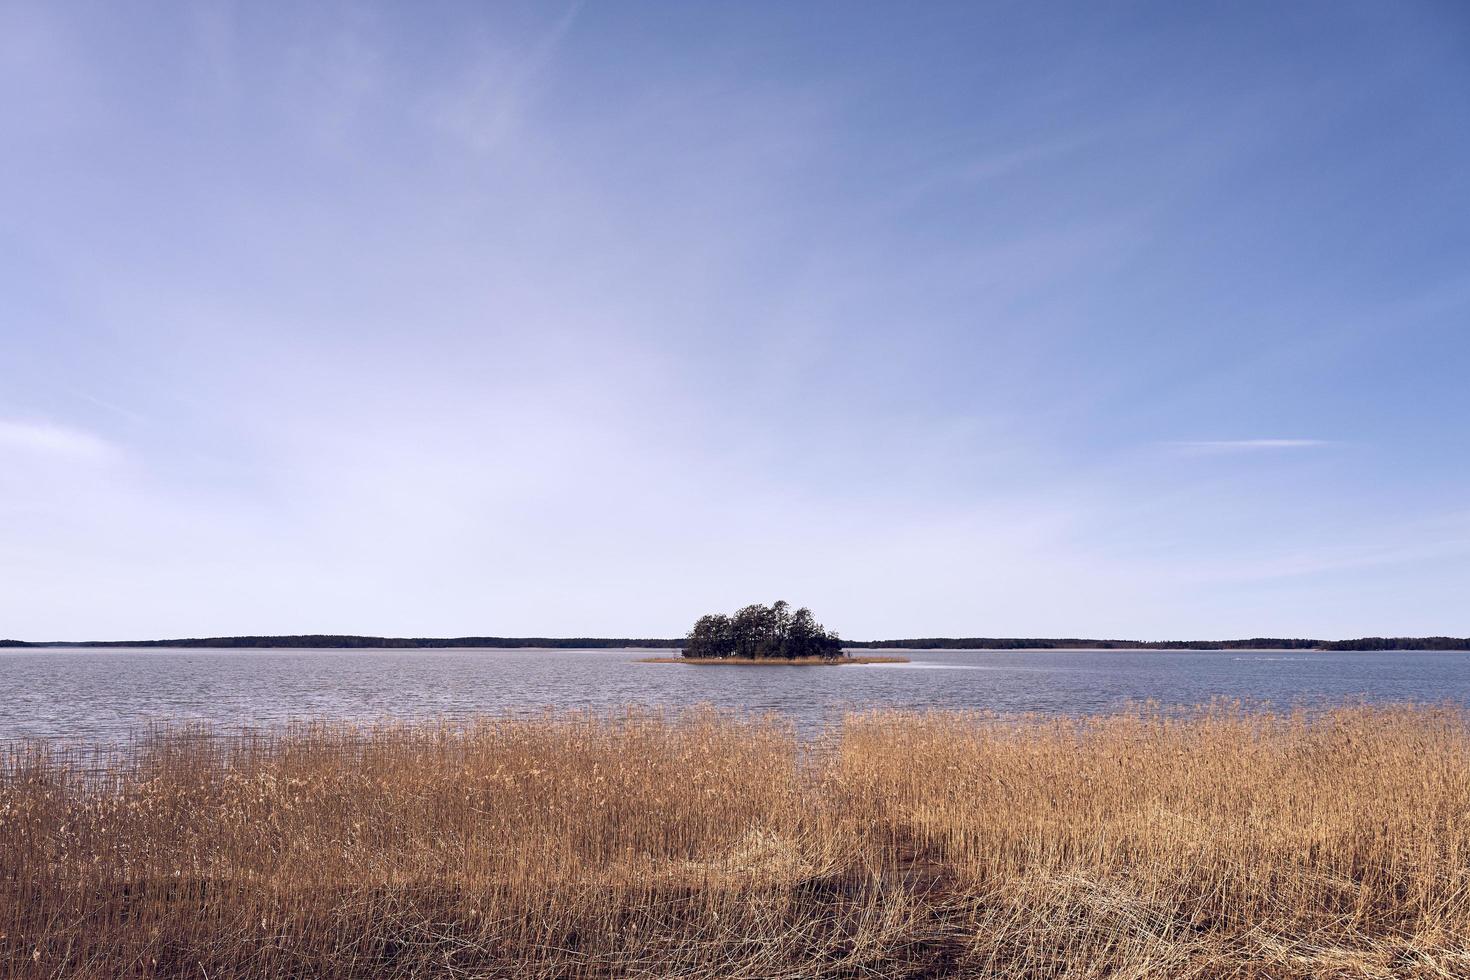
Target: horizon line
{"points": [[367, 641]]}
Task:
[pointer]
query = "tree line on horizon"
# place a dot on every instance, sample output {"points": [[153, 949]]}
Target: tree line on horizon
{"points": [[1025, 643], [1386, 643], [348, 642]]}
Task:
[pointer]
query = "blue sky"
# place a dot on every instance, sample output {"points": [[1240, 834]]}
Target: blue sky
{"points": [[1119, 319]]}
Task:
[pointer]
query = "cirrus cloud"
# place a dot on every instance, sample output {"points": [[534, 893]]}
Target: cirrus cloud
{"points": [[57, 441], [1220, 446]]}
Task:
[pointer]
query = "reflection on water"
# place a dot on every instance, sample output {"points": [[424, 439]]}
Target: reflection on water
{"points": [[104, 695]]}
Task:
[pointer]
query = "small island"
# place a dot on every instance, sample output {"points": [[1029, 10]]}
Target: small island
{"points": [[765, 635]]}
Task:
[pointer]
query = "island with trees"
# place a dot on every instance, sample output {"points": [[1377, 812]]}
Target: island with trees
{"points": [[761, 634]]}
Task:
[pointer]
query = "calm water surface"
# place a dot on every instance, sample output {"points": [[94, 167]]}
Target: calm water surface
{"points": [[104, 695]]}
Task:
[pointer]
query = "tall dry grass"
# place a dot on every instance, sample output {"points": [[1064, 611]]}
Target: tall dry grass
{"points": [[1215, 844]]}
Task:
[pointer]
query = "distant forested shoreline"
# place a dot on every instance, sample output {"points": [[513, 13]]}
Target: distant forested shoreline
{"points": [[1024, 643], [343, 642], [336, 642], [1255, 643]]}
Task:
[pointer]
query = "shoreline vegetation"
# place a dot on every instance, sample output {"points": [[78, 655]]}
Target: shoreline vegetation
{"points": [[774, 661], [1216, 842], [334, 641]]}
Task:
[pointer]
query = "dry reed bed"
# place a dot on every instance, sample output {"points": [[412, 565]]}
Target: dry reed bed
{"points": [[1214, 844]]}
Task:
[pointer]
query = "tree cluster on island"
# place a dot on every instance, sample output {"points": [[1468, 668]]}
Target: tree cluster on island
{"points": [[759, 632]]}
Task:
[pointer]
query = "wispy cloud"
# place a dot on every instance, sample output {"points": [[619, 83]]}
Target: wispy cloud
{"points": [[1419, 541], [490, 104], [48, 439], [1204, 447]]}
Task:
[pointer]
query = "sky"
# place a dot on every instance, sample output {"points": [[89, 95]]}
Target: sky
{"points": [[1145, 320]]}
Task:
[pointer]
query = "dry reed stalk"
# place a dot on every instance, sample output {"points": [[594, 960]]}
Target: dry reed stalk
{"points": [[1220, 842]]}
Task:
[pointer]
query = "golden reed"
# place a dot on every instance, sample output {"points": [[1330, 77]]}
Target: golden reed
{"points": [[1218, 843]]}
